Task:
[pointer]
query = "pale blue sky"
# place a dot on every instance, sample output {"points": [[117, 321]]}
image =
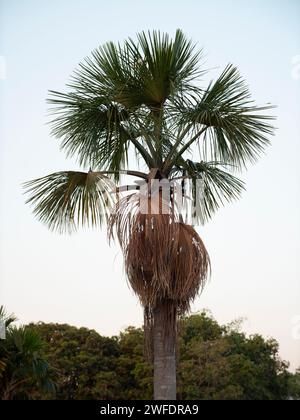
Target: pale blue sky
{"points": [[254, 244]]}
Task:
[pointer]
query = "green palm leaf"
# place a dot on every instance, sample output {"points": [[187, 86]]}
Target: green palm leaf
{"points": [[165, 67], [5, 318], [219, 187], [234, 129], [66, 200], [91, 128]]}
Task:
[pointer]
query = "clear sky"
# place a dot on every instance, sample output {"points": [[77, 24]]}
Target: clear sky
{"points": [[254, 243]]}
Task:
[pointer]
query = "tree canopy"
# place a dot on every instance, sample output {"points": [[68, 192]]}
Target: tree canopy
{"points": [[24, 369], [217, 362]]}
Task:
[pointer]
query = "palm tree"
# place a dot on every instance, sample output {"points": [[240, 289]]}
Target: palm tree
{"points": [[23, 367], [144, 99]]}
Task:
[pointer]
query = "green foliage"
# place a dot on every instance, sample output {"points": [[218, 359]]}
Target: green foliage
{"points": [[236, 129], [216, 363], [89, 366], [145, 96], [294, 385], [219, 186], [24, 370], [6, 318], [83, 361], [68, 199], [227, 365]]}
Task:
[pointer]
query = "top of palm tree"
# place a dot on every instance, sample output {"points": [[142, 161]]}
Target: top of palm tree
{"points": [[145, 96]]}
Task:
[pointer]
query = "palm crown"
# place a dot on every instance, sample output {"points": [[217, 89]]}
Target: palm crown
{"points": [[145, 96]]}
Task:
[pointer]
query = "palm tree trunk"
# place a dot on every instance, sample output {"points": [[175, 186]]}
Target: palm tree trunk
{"points": [[164, 348]]}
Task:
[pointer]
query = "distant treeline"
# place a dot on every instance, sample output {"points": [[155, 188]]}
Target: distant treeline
{"points": [[215, 363]]}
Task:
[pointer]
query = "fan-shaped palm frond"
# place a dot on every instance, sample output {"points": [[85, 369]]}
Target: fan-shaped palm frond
{"points": [[218, 186], [165, 67], [65, 200], [5, 318], [92, 128], [24, 365], [233, 129]]}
